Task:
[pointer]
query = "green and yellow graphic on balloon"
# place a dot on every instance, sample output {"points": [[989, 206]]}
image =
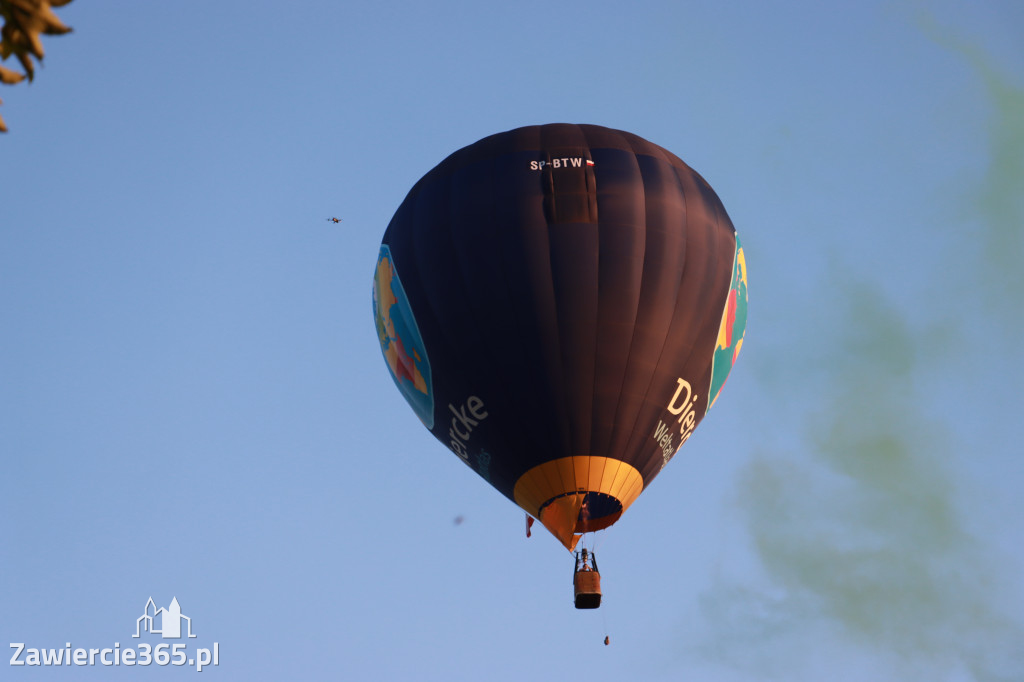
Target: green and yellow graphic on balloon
{"points": [[734, 323]]}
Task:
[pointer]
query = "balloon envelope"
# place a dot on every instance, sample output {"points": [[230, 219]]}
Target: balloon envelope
{"points": [[560, 305]]}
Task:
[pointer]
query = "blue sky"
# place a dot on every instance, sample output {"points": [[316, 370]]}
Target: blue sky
{"points": [[193, 402]]}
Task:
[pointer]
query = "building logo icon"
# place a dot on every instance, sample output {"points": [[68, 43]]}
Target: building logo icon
{"points": [[163, 622]]}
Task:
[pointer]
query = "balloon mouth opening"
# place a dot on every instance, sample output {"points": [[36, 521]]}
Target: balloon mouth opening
{"points": [[596, 511], [571, 514]]}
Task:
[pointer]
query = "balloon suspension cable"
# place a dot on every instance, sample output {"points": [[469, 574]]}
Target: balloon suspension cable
{"points": [[596, 540]]}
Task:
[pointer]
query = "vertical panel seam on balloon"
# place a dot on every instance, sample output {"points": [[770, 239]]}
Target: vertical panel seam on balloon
{"points": [[636, 312], [682, 276]]}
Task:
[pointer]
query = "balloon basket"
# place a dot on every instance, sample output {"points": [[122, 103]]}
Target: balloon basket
{"points": [[586, 581]]}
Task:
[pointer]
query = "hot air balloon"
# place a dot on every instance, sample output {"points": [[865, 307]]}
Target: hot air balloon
{"points": [[560, 305]]}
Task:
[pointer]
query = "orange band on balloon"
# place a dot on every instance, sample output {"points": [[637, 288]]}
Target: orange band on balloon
{"points": [[556, 491]]}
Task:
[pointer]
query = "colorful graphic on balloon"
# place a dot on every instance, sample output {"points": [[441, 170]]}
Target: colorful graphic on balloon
{"points": [[734, 322], [400, 340]]}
